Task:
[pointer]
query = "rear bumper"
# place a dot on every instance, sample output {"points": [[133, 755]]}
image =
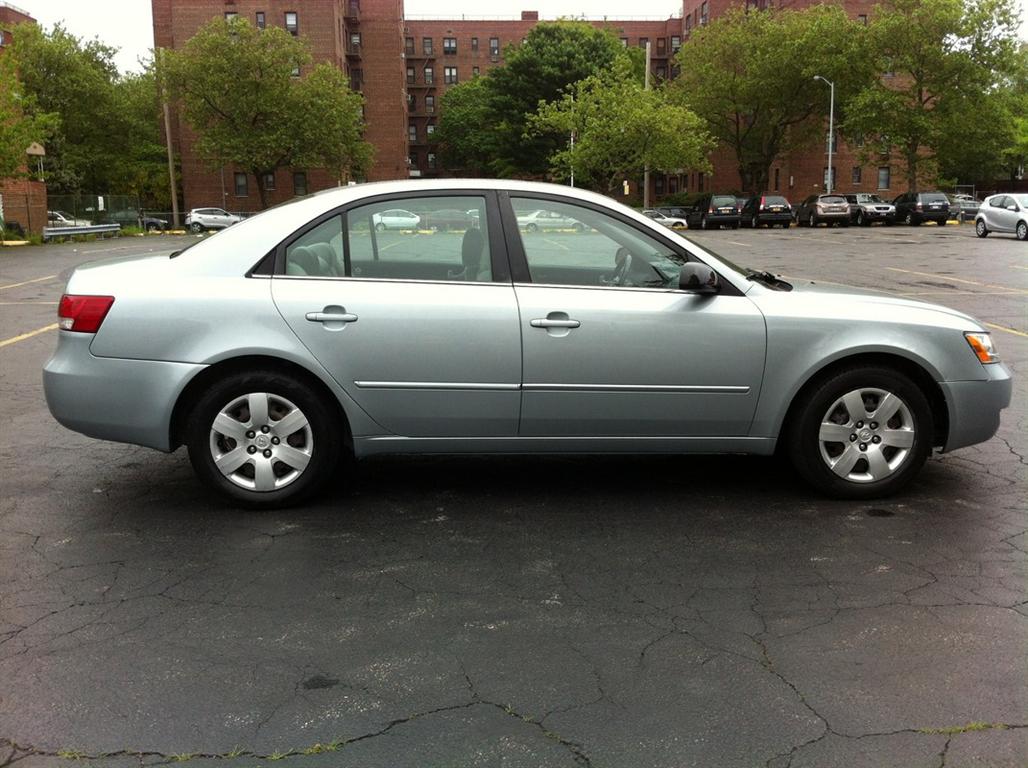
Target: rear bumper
{"points": [[775, 218], [129, 401], [974, 407]]}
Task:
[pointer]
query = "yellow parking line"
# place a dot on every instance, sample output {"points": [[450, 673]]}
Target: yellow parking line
{"points": [[1017, 266], [29, 335], [957, 279], [1008, 330], [27, 282]]}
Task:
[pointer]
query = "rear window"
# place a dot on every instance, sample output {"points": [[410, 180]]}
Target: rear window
{"points": [[775, 200], [832, 199], [934, 197], [723, 200]]}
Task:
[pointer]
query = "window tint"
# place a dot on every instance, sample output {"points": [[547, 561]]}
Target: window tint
{"points": [[421, 238], [934, 197], [832, 199], [999, 202], [723, 200], [775, 200], [571, 245], [319, 252]]}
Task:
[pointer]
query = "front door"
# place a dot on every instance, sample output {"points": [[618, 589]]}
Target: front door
{"points": [[420, 329], [612, 348]]}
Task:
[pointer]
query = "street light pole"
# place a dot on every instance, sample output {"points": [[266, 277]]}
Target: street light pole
{"points": [[831, 130]]}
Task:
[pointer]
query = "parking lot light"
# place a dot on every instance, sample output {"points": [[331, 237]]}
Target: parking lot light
{"points": [[831, 129]]}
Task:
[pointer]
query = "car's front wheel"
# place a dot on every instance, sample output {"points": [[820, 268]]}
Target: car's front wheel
{"points": [[861, 433], [980, 229], [1022, 231], [812, 221], [196, 227], [263, 439]]}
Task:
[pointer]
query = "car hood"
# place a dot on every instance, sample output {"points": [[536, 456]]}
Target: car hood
{"points": [[838, 300]]}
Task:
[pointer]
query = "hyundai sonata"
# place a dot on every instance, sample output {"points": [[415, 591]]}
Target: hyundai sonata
{"points": [[274, 346]]}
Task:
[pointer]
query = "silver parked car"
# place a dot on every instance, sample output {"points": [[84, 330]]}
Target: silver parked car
{"points": [[200, 219], [305, 331], [1007, 212]]}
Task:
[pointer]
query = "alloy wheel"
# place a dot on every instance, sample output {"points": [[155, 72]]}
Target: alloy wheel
{"points": [[980, 228], [1022, 231], [866, 435], [261, 441]]}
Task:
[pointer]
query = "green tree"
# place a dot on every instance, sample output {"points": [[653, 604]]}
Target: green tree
{"points": [[488, 131], [239, 93], [620, 129], [750, 76], [17, 129], [944, 61]]}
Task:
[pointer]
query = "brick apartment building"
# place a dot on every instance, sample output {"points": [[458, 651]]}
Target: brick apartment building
{"points": [[403, 66], [22, 200]]}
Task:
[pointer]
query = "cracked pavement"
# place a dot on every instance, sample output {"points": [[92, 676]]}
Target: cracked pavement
{"points": [[482, 611]]}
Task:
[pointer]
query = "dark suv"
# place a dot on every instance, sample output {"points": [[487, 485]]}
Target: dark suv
{"points": [[915, 208], [769, 210], [712, 211]]}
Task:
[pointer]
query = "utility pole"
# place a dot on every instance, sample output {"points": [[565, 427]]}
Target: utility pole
{"points": [[646, 170], [167, 139], [831, 131], [572, 140]]}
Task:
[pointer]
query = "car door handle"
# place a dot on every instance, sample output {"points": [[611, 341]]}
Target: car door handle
{"points": [[548, 323], [331, 317]]}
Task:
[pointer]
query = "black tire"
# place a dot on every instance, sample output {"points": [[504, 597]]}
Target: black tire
{"points": [[861, 220], [380, 227], [785, 225], [910, 221], [812, 221], [980, 229], [755, 222], [578, 226], [1022, 231], [811, 407], [735, 225], [321, 418], [941, 222], [703, 222], [531, 227], [196, 227], [844, 223], [152, 228]]}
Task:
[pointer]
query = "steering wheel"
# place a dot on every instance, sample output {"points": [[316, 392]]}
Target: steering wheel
{"points": [[624, 266]]}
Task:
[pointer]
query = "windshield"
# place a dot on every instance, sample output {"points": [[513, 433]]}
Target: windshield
{"points": [[1021, 199]]}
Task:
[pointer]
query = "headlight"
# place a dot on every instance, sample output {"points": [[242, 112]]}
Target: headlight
{"points": [[981, 343]]}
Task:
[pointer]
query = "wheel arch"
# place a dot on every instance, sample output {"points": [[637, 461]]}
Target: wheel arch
{"points": [[212, 373], [912, 369]]}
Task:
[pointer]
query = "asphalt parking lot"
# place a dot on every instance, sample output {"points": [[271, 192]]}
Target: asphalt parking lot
{"points": [[573, 611]]}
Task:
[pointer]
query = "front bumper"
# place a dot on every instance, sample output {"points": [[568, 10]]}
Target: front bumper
{"points": [[129, 401], [974, 406]]}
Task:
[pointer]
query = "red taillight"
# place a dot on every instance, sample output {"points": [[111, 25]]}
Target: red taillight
{"points": [[83, 313], [711, 208], [761, 203]]}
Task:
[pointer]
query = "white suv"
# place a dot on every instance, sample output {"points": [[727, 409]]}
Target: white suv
{"points": [[200, 219]]}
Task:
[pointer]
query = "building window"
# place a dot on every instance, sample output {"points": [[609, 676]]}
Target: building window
{"points": [[408, 46], [429, 76], [410, 75], [672, 185], [474, 44], [449, 45], [777, 171], [412, 102], [662, 46], [230, 15], [825, 180], [704, 15], [412, 133], [426, 46], [494, 46], [450, 75], [862, 18], [884, 177], [676, 41], [624, 42], [242, 185], [412, 159], [260, 20], [856, 174], [269, 182], [688, 24], [658, 185], [292, 23], [430, 104], [355, 42], [431, 161], [300, 183], [474, 71], [661, 73], [430, 129], [643, 41]]}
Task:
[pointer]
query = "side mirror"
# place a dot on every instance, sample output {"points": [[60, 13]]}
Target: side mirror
{"points": [[698, 278]]}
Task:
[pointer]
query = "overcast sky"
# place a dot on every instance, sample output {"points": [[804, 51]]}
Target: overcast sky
{"points": [[128, 26]]}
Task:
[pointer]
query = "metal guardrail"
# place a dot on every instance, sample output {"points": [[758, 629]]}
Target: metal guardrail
{"points": [[50, 233]]}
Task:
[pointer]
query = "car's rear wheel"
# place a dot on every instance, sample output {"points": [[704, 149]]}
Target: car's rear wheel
{"points": [[380, 227], [980, 229], [911, 221], [1022, 231], [755, 222], [153, 228], [861, 433], [263, 439], [703, 222], [812, 221]]}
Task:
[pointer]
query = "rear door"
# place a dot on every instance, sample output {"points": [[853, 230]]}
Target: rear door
{"points": [[421, 329]]}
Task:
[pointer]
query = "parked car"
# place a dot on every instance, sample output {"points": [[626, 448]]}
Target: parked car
{"points": [[714, 211], [674, 211], [396, 218], [277, 344], [915, 208], [866, 209], [831, 210], [62, 219], [445, 220], [200, 219], [134, 219], [672, 222], [534, 221], [766, 210], [1007, 212], [963, 205]]}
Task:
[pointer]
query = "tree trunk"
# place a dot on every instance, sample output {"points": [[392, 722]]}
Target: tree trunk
{"points": [[912, 162], [259, 175]]}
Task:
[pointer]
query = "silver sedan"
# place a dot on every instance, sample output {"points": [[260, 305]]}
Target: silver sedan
{"points": [[308, 331]]}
